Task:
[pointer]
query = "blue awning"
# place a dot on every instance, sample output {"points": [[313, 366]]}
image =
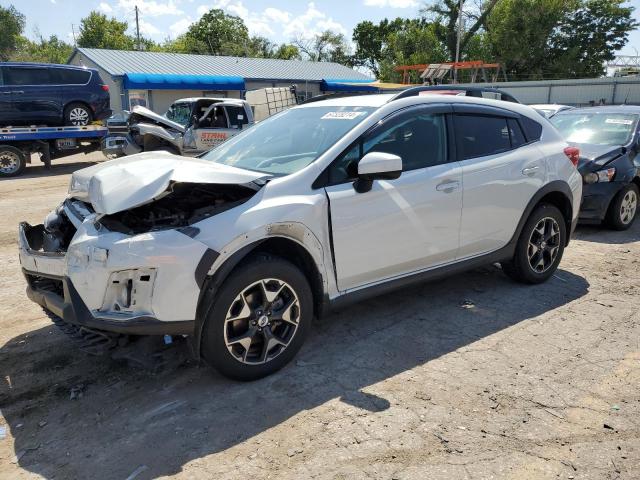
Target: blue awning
{"points": [[166, 81], [345, 85]]}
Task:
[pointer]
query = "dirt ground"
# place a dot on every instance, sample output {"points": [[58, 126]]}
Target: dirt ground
{"points": [[471, 377]]}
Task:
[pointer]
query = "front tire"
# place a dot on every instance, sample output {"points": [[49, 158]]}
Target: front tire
{"points": [[258, 319], [78, 115], [624, 208], [540, 246]]}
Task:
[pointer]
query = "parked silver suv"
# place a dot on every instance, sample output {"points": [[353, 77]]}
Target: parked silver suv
{"points": [[319, 205]]}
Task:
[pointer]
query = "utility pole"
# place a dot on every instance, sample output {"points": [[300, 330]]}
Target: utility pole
{"points": [[73, 31], [455, 67], [137, 29]]}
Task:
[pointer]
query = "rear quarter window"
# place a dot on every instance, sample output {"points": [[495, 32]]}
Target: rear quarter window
{"points": [[68, 76], [532, 129]]}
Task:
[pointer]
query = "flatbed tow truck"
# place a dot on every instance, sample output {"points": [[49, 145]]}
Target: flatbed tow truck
{"points": [[17, 144]]}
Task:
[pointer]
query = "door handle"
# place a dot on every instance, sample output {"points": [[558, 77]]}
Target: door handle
{"points": [[530, 170], [448, 187], [18, 91]]}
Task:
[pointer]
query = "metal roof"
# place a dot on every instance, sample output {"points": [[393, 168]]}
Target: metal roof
{"points": [[119, 62]]}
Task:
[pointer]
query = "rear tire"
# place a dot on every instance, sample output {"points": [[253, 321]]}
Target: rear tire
{"points": [[540, 246], [624, 208], [12, 161], [77, 115], [258, 319]]}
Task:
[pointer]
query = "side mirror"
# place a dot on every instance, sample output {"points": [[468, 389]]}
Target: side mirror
{"points": [[377, 166]]}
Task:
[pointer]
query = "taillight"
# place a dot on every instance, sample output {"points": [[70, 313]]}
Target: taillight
{"points": [[105, 87], [573, 154]]}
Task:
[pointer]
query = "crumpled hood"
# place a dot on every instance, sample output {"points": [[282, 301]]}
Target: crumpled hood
{"points": [[596, 155], [129, 182], [145, 112]]}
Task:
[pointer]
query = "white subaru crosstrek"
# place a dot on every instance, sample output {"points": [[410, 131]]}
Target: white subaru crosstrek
{"points": [[322, 204]]}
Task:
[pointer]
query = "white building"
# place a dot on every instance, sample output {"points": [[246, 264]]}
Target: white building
{"points": [[156, 79]]}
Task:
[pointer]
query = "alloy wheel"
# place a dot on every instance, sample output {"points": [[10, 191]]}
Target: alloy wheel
{"points": [[544, 245], [79, 116], [628, 207], [262, 321], [9, 162]]}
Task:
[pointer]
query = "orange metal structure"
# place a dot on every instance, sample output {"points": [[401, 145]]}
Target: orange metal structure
{"points": [[475, 66]]}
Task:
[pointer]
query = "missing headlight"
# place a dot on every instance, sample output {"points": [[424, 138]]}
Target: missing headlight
{"points": [[184, 204]]}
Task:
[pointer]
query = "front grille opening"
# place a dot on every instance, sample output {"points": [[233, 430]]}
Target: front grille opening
{"points": [[45, 284]]}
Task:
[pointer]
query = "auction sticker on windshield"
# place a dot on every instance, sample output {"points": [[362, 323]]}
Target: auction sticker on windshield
{"points": [[619, 121], [342, 115]]}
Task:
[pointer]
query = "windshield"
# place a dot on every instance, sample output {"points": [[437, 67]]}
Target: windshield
{"points": [[288, 141], [179, 113], [596, 128]]}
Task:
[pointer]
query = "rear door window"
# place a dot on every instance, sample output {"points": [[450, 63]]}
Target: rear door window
{"points": [[481, 135], [27, 76], [68, 76]]}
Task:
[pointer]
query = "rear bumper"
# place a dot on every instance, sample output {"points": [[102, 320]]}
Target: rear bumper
{"points": [[596, 198]]}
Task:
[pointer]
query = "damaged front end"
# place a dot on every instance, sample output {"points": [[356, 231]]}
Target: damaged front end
{"points": [[121, 254], [142, 130]]}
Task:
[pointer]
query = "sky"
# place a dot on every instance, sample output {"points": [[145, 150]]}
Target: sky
{"points": [[278, 20]]}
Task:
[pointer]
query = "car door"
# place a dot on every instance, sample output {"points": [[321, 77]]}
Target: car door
{"points": [[399, 226], [214, 127], [6, 116], [500, 174], [34, 96]]}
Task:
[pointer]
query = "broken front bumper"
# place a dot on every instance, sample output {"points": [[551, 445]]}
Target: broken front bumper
{"points": [[119, 146], [50, 285]]}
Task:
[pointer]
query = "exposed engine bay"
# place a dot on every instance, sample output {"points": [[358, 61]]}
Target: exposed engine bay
{"points": [[182, 204]]}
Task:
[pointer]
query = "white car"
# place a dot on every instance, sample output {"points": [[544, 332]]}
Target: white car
{"points": [[549, 110], [326, 203]]}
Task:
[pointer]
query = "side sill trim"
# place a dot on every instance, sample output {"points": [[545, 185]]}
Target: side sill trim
{"points": [[503, 254]]}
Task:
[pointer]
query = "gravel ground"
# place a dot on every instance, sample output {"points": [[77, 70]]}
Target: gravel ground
{"points": [[471, 377]]}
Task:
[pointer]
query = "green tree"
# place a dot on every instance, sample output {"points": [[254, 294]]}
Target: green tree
{"points": [[558, 38], [11, 26], [327, 46], [519, 32], [372, 44], [445, 16], [415, 42], [383, 46], [589, 36], [98, 31], [51, 50], [260, 47], [215, 33], [287, 51]]}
